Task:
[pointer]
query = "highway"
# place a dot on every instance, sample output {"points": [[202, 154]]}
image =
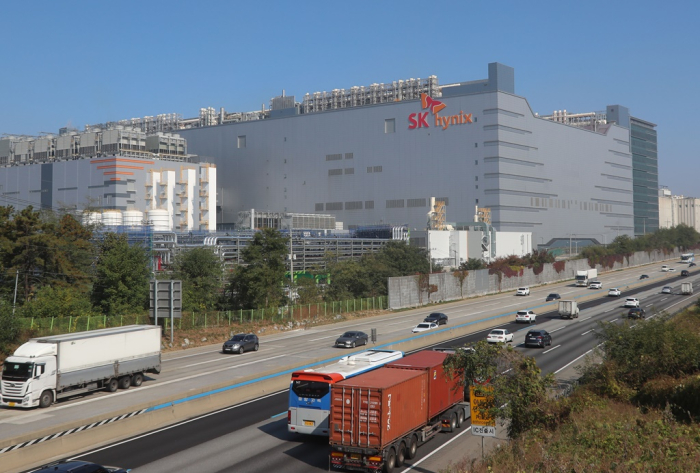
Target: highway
{"points": [[253, 437]]}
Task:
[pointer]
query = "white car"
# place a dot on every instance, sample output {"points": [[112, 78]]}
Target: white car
{"points": [[525, 316], [664, 268], [424, 326], [667, 290], [595, 285], [614, 292], [523, 291], [671, 270], [631, 302], [499, 335]]}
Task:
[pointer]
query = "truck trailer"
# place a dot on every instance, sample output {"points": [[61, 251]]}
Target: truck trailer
{"points": [[46, 369], [686, 288], [584, 278], [380, 418], [568, 309]]}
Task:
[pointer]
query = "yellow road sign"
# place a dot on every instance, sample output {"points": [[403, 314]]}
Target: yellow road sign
{"points": [[480, 396]]}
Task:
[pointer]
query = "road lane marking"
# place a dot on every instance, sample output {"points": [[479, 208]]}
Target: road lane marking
{"points": [[584, 333], [586, 318], [437, 450], [664, 299], [551, 331], [322, 338], [553, 348], [237, 366]]}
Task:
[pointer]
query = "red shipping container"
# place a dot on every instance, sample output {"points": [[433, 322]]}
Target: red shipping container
{"points": [[443, 392], [378, 407]]}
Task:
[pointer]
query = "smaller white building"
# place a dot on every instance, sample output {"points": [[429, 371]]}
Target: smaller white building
{"points": [[454, 247], [677, 209]]}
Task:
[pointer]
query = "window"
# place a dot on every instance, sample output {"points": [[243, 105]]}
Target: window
{"points": [[395, 204], [334, 157], [349, 170], [417, 203], [476, 162], [241, 142], [335, 172], [390, 125], [348, 155], [369, 204], [319, 207], [377, 169]]}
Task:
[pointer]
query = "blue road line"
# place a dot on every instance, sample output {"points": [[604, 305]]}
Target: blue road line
{"points": [[277, 415]]}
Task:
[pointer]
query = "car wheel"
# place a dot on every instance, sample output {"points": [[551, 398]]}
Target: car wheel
{"points": [[366, 341], [256, 347], [353, 345], [240, 351]]}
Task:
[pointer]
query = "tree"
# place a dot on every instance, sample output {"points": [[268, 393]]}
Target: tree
{"points": [[472, 264], [259, 282], [201, 272], [518, 387], [57, 302], [121, 276], [9, 328]]}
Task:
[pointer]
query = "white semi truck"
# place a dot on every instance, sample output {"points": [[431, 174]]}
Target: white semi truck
{"points": [[583, 278], [46, 369], [686, 288], [568, 309]]}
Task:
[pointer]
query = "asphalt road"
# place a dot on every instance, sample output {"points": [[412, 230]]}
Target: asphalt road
{"points": [[253, 437]]}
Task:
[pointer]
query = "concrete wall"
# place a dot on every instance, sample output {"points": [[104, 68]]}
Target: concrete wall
{"points": [[403, 291]]}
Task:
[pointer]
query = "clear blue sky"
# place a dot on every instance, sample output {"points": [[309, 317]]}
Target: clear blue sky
{"points": [[77, 63]]}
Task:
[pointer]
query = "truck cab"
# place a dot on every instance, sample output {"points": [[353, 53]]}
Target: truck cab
{"points": [[28, 381]]}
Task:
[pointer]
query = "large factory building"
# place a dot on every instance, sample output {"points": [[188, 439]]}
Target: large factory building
{"points": [[377, 154]]}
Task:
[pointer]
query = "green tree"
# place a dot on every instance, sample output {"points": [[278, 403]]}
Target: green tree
{"points": [[57, 302], [259, 281], [472, 264], [201, 273], [518, 387], [121, 276], [9, 328], [308, 290], [349, 279]]}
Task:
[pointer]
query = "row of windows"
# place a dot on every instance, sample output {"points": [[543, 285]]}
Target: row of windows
{"points": [[369, 204], [340, 172], [566, 204], [338, 156]]}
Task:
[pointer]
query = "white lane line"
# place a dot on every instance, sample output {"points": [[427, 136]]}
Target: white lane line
{"points": [[551, 331], [584, 333], [586, 318], [398, 323], [610, 310], [553, 348], [437, 450], [237, 366], [322, 338], [664, 299], [575, 360], [648, 305]]}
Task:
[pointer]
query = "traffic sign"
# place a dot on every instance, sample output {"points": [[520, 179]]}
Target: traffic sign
{"points": [[484, 430], [481, 397]]}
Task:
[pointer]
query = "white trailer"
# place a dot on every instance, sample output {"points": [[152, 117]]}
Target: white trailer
{"points": [[583, 278], [46, 369], [568, 309], [686, 288]]}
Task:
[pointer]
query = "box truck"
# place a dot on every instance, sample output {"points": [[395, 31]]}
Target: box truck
{"points": [[380, 418], [583, 278], [46, 369], [568, 309], [687, 288]]}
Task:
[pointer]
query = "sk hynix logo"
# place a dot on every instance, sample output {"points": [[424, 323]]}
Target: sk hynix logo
{"points": [[420, 120]]}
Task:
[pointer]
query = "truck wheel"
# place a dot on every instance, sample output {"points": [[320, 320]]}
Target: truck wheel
{"points": [[136, 380], [453, 422], [112, 385], [401, 454], [46, 399], [124, 382], [460, 417], [412, 447], [390, 462]]}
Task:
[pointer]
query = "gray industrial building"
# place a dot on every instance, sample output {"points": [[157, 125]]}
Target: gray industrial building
{"points": [[377, 154]]}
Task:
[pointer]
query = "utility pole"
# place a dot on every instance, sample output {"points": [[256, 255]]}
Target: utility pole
{"points": [[14, 303]]}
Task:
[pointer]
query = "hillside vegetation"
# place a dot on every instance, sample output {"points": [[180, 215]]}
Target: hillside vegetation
{"points": [[636, 411]]}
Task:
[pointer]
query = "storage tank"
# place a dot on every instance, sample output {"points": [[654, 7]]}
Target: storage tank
{"points": [[92, 218], [160, 219], [132, 218], [112, 218]]}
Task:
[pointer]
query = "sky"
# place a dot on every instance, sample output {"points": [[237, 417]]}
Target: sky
{"points": [[76, 63]]}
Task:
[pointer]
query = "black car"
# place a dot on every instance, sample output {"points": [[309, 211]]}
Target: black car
{"points": [[644, 276], [636, 313], [75, 466], [352, 339], [538, 338], [553, 297], [241, 342], [690, 265], [685, 272], [437, 317]]}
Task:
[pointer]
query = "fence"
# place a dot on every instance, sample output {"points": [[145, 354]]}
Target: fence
{"points": [[285, 314]]}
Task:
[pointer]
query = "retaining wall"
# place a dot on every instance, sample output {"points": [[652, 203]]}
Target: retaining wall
{"points": [[404, 292]]}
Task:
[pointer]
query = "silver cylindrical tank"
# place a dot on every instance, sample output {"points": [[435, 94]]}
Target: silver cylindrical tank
{"points": [[112, 217], [92, 218], [160, 219], [132, 218]]}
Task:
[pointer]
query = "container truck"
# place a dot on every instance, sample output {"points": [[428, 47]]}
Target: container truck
{"points": [[568, 309], [583, 278], [687, 288], [46, 369], [380, 418]]}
